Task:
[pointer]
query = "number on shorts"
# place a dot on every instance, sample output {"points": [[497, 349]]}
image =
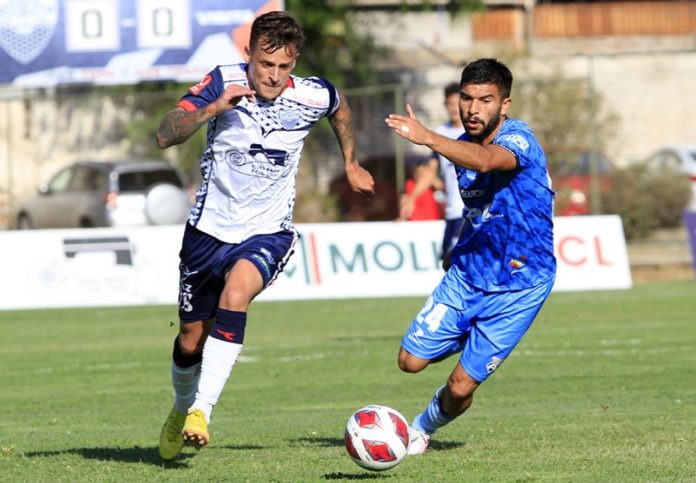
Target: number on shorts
{"points": [[431, 314]]}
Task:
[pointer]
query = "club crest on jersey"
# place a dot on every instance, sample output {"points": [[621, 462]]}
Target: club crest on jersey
{"points": [[493, 364], [289, 118], [517, 263]]}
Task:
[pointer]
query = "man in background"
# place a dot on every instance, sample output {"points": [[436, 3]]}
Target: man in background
{"points": [[439, 171]]}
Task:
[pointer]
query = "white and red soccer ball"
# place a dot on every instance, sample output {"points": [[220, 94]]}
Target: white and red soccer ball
{"points": [[376, 437]]}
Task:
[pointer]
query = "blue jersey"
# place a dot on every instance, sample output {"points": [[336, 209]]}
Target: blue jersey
{"points": [[507, 239], [253, 153]]}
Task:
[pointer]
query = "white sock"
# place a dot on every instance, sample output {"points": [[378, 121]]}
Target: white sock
{"points": [[219, 357], [185, 381]]}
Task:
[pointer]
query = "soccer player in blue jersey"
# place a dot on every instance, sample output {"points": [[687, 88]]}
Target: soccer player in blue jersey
{"points": [[440, 167], [503, 267], [239, 234]]}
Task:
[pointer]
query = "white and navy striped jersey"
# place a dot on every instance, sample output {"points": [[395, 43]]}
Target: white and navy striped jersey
{"points": [[253, 152]]}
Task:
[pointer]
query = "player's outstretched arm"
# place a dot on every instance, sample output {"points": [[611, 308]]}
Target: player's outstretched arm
{"points": [[178, 125], [463, 153], [342, 124]]}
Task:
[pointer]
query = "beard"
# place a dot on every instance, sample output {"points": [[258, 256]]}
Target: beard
{"points": [[487, 127]]}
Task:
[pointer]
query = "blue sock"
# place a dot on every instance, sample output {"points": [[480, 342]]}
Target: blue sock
{"points": [[433, 417]]}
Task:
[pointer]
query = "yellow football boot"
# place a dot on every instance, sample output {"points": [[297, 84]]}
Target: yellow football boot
{"points": [[171, 438], [195, 432]]}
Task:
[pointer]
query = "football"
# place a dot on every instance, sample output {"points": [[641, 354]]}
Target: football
{"points": [[376, 437]]}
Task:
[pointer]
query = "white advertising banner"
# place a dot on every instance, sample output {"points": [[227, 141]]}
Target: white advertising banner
{"points": [[591, 253], [137, 266]]}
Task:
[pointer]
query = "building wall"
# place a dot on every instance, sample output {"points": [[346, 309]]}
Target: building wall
{"points": [[648, 81]]}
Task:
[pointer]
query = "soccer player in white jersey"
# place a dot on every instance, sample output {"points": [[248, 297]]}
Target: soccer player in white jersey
{"points": [[440, 167], [239, 234], [503, 266]]}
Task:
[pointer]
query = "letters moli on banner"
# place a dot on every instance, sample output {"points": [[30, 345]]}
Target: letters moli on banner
{"points": [[138, 266]]}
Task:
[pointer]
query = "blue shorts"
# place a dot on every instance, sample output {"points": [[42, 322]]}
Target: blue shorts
{"points": [[204, 261], [451, 236], [483, 326]]}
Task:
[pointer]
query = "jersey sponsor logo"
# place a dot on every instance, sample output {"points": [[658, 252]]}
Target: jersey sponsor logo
{"points": [[275, 156], [259, 162], [289, 118], [517, 140], [469, 174], [195, 90], [476, 216], [262, 261], [468, 194]]}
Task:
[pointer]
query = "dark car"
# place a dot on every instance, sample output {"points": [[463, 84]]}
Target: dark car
{"points": [[123, 193], [572, 181]]}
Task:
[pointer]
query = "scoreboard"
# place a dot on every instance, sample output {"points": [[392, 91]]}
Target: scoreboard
{"points": [[49, 42]]}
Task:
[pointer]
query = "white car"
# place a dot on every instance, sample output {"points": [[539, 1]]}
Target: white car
{"points": [[117, 194], [680, 158]]}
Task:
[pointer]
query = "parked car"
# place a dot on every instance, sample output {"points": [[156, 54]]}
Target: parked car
{"points": [[677, 157], [572, 182], [124, 193]]}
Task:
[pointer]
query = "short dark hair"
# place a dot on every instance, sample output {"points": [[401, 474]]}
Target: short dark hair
{"points": [[275, 30], [452, 88], [488, 71]]}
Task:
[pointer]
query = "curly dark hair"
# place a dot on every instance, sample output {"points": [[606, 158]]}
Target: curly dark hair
{"points": [[275, 30], [488, 71]]}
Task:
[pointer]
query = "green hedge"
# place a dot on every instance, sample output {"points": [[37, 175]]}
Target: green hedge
{"points": [[646, 200]]}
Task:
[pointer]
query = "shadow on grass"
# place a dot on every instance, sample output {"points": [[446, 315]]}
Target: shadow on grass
{"points": [[444, 445], [434, 445], [136, 454], [324, 442], [355, 476]]}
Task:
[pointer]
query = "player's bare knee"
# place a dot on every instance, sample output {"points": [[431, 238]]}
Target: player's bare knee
{"points": [[408, 363], [189, 348], [190, 343]]}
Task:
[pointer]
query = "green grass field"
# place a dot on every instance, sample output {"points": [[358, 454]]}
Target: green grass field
{"points": [[602, 389]]}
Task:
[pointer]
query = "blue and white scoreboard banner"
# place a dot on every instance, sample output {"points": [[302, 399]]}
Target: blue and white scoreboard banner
{"points": [[49, 42], [137, 266]]}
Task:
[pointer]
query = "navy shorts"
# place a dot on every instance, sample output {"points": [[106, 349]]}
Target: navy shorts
{"points": [[204, 260]]}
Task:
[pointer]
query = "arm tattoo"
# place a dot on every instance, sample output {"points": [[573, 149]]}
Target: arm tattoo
{"points": [[342, 124], [178, 125]]}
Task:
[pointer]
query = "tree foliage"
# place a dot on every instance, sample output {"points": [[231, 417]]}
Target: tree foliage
{"points": [[333, 49], [566, 114]]}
